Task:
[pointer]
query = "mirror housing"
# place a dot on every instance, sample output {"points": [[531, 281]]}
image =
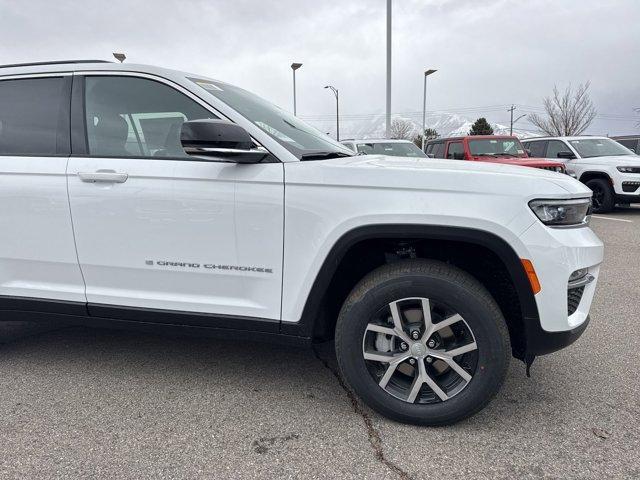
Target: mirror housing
{"points": [[458, 156], [566, 155], [431, 155], [220, 139]]}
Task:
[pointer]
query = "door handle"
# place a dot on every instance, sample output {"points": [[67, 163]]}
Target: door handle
{"points": [[104, 176]]}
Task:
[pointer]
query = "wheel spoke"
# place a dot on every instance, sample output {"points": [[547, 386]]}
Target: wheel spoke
{"points": [[393, 365], [426, 314], [417, 383], [447, 322], [455, 366], [434, 386], [378, 357], [372, 327], [397, 322], [470, 347], [386, 357], [434, 327]]}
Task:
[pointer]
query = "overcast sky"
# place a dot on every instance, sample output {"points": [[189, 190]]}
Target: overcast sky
{"points": [[489, 54]]}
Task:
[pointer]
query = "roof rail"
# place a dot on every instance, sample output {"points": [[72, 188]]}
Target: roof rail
{"points": [[57, 62]]}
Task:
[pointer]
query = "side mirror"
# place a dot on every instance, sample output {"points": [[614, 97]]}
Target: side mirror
{"points": [[431, 155], [219, 139], [458, 156], [528, 152], [566, 155]]}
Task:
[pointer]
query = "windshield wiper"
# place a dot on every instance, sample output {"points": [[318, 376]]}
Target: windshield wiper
{"points": [[323, 155]]}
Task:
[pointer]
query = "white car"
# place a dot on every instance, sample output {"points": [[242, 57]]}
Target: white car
{"points": [[608, 168], [391, 147], [139, 197]]}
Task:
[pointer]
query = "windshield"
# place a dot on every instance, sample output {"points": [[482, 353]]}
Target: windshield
{"points": [[393, 149], [508, 147], [296, 136], [599, 147]]}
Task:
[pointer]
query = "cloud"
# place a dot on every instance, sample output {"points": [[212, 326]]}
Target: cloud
{"points": [[488, 53]]}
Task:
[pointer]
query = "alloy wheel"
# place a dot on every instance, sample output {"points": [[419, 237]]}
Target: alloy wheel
{"points": [[420, 351]]}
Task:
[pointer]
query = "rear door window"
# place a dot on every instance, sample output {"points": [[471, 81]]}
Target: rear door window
{"points": [[34, 116], [438, 150], [536, 149], [455, 151]]}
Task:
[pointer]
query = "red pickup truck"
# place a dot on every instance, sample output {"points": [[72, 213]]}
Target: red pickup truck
{"points": [[488, 148]]}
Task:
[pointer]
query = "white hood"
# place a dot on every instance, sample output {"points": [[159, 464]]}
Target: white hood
{"points": [[451, 175]]}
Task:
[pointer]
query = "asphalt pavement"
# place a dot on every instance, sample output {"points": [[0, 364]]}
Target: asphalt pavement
{"points": [[83, 403]]}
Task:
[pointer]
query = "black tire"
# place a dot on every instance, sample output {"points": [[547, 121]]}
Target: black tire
{"points": [[604, 198], [447, 285]]}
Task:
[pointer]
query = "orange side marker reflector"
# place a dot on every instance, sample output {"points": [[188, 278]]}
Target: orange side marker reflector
{"points": [[531, 275]]}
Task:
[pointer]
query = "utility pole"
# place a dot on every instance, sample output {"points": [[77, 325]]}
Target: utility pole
{"points": [[513, 107], [294, 67], [335, 92], [388, 113]]}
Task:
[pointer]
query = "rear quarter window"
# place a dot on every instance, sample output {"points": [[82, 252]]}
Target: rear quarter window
{"points": [[34, 116]]}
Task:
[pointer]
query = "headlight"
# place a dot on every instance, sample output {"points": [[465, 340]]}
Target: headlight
{"points": [[562, 213], [629, 169]]}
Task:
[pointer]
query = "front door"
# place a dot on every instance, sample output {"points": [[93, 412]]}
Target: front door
{"points": [[159, 230]]}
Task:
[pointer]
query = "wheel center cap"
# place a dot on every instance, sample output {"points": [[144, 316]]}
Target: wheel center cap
{"points": [[418, 349]]}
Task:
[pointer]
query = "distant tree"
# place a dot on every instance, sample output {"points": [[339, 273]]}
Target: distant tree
{"points": [[429, 134], [481, 127], [402, 129], [567, 113]]}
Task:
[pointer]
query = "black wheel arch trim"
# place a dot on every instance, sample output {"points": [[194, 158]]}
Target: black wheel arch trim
{"points": [[592, 174], [535, 336]]}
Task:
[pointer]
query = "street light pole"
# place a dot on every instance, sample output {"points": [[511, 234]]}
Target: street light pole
{"points": [[388, 112], [335, 92], [424, 104], [294, 67]]}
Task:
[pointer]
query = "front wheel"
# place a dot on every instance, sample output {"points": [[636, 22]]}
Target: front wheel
{"points": [[603, 195], [422, 342]]}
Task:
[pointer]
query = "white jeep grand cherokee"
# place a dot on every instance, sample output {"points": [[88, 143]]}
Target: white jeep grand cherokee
{"points": [[140, 197], [609, 169]]}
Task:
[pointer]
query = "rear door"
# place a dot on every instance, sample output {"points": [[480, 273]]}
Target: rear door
{"points": [[37, 253], [158, 231]]}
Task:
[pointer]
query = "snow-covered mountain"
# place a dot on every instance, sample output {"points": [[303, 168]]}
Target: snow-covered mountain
{"points": [[446, 124]]}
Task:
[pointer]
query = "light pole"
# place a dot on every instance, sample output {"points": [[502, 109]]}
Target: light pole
{"points": [[335, 92], [388, 112], [424, 104], [513, 107], [294, 67]]}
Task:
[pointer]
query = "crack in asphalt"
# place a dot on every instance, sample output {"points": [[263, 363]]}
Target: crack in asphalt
{"points": [[375, 439]]}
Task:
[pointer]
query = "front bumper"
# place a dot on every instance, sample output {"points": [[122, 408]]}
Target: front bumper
{"points": [[556, 253], [540, 342]]}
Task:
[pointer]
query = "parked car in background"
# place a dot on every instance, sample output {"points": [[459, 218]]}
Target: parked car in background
{"points": [[488, 148], [392, 148], [608, 168], [632, 142]]}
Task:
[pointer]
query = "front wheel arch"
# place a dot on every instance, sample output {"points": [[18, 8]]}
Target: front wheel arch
{"points": [[318, 320]]}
